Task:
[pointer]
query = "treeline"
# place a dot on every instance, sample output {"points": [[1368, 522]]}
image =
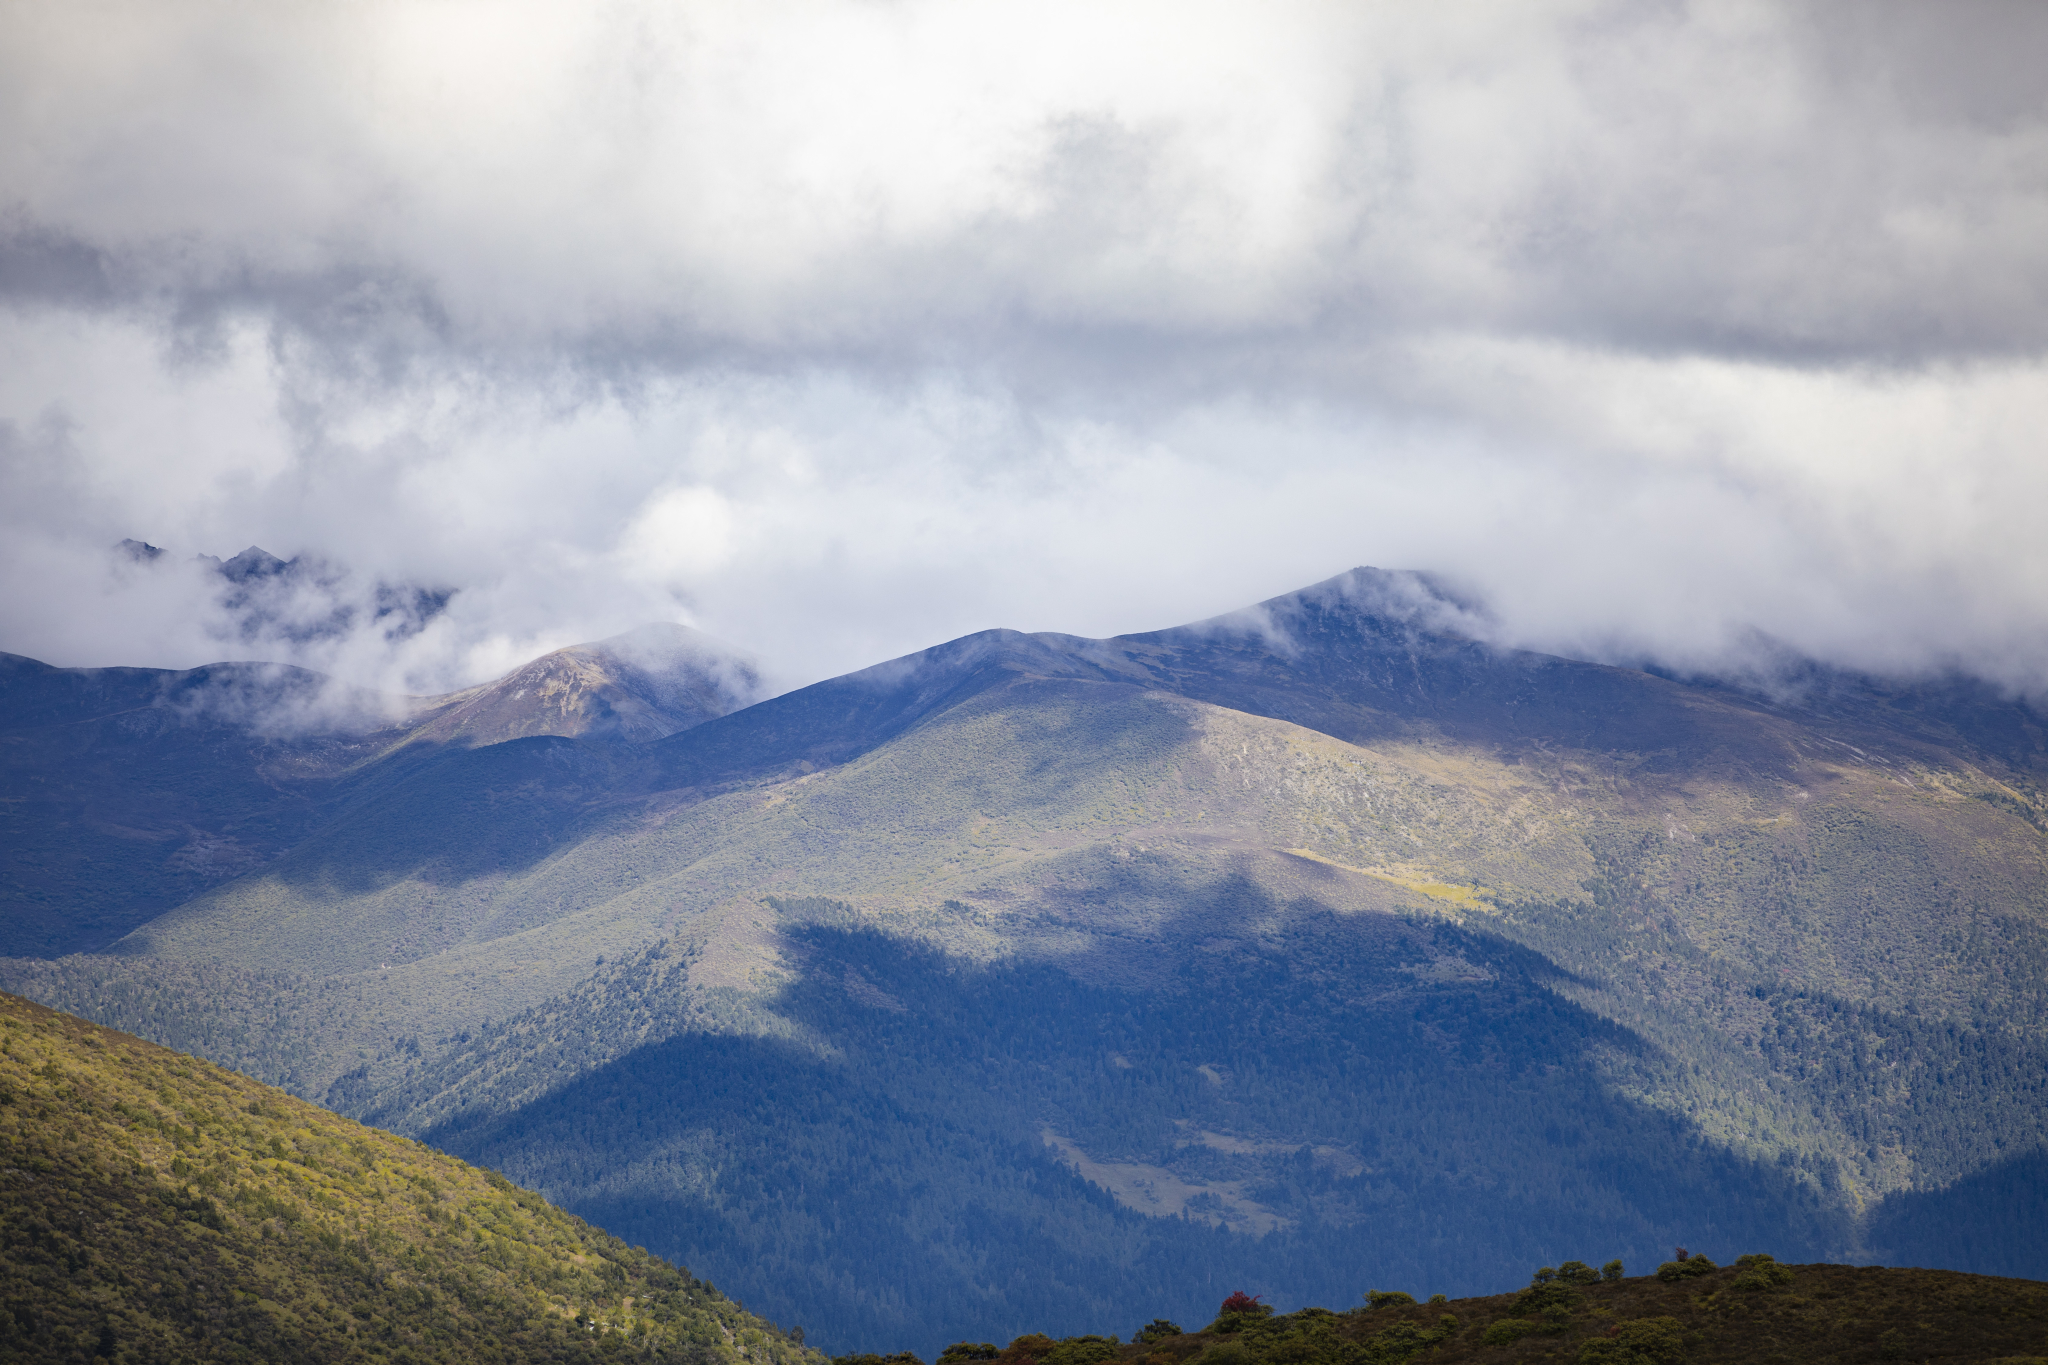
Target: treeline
{"points": [[1690, 1310]]}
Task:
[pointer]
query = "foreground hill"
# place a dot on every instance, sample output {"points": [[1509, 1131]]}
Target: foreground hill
{"points": [[157, 1208], [1755, 1312], [1027, 977]]}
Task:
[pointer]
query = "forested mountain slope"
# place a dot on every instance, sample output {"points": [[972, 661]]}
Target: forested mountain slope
{"points": [[154, 1207], [1029, 972]]}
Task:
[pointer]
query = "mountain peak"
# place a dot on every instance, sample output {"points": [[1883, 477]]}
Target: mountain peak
{"points": [[1403, 601], [255, 562], [651, 682]]}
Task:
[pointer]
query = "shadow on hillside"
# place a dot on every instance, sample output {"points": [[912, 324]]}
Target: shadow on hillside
{"points": [[1990, 1223], [882, 1180], [457, 814]]}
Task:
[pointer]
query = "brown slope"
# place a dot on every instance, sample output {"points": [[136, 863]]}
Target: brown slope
{"points": [[647, 684]]}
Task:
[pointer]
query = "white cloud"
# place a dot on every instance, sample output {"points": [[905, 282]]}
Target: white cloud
{"points": [[680, 536], [837, 328]]}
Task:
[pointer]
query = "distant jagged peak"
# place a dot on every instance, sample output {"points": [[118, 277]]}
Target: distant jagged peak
{"points": [[255, 562], [251, 565]]}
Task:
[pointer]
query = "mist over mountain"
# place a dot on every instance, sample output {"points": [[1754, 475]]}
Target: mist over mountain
{"points": [[130, 790], [1666, 332], [1319, 943], [644, 685]]}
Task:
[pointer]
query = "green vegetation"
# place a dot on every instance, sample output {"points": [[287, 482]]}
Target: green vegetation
{"points": [[1806, 1315], [154, 1207], [1685, 1268]]}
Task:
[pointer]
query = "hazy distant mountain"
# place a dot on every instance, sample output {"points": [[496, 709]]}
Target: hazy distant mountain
{"points": [[125, 791], [647, 684], [1031, 975]]}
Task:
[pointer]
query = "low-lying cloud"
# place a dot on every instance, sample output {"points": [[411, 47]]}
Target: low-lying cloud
{"points": [[836, 329]]}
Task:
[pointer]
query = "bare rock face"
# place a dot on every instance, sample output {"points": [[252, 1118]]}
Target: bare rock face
{"points": [[647, 684]]}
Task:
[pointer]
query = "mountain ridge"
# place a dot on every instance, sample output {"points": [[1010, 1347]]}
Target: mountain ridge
{"points": [[1718, 948]]}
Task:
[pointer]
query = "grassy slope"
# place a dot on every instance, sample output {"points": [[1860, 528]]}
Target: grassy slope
{"points": [[1811, 1315], [157, 1207], [1071, 819]]}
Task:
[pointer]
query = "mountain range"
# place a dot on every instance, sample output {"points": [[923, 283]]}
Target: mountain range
{"points": [[1000, 986]]}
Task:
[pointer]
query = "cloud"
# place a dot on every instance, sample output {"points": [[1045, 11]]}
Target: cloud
{"points": [[839, 328]]}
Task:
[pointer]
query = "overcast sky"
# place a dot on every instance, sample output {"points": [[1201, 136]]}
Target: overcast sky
{"points": [[839, 329]]}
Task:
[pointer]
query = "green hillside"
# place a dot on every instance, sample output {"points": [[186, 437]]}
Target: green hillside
{"points": [[154, 1207], [1753, 1312]]}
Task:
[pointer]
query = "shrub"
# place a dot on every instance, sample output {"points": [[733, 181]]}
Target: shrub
{"points": [[1686, 1269], [1760, 1271], [1028, 1347], [1388, 1298], [961, 1352], [1507, 1330], [1538, 1298], [1578, 1272], [1613, 1270], [1405, 1340], [1240, 1311], [1086, 1350], [1645, 1341], [1157, 1330]]}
